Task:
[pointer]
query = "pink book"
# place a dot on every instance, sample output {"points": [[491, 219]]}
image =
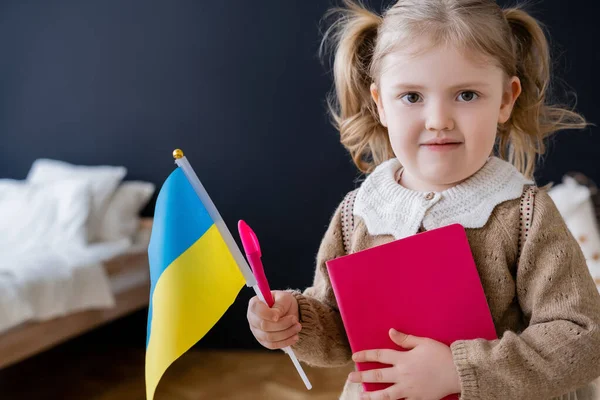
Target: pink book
{"points": [[425, 285]]}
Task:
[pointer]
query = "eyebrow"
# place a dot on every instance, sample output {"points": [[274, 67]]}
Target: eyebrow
{"points": [[408, 86]]}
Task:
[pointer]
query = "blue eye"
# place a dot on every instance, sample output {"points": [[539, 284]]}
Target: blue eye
{"points": [[412, 98], [468, 96]]}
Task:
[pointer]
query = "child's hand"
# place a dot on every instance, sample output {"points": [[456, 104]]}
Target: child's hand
{"points": [[424, 372], [275, 327]]}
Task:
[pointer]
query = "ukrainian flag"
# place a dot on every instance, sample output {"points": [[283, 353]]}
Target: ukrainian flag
{"points": [[194, 277]]}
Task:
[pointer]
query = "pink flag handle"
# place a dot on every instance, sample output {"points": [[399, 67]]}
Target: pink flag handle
{"points": [[253, 254], [261, 279]]}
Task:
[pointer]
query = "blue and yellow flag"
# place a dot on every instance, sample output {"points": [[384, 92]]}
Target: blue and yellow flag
{"points": [[194, 277]]}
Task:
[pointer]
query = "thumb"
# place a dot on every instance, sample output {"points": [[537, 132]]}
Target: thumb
{"points": [[403, 340], [281, 304]]}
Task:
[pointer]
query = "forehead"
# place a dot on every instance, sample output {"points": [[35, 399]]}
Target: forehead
{"points": [[437, 65]]}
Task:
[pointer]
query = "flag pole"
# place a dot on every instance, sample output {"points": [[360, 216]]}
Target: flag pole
{"points": [[241, 262], [184, 164]]}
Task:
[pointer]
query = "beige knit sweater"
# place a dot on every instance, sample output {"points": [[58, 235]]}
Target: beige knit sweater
{"points": [[543, 300]]}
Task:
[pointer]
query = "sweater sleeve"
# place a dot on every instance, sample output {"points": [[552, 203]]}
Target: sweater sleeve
{"points": [[559, 350], [323, 341]]}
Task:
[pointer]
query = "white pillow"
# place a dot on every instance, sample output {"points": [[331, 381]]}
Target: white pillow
{"points": [[121, 219], [103, 181], [569, 196], [48, 215], [574, 203]]}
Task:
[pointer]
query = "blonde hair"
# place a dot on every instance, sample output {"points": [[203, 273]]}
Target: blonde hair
{"points": [[360, 39]]}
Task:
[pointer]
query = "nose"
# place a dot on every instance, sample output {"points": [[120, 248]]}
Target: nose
{"points": [[439, 117]]}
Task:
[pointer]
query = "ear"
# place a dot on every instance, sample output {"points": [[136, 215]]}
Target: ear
{"points": [[377, 99], [511, 92]]}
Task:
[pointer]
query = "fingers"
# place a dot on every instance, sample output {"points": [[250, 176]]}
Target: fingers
{"points": [[283, 302], [380, 375], [262, 310], [384, 356], [271, 331], [274, 337], [281, 344], [405, 341], [270, 326], [392, 393]]}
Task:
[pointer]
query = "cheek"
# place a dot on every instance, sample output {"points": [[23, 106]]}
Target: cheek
{"points": [[404, 130], [479, 131], [482, 122], [403, 122]]}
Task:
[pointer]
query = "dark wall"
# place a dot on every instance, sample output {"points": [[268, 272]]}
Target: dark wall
{"points": [[238, 86]]}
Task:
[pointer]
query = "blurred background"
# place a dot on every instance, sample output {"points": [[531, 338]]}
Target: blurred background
{"points": [[104, 91]]}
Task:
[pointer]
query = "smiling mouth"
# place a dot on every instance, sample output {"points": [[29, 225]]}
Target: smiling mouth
{"points": [[442, 146]]}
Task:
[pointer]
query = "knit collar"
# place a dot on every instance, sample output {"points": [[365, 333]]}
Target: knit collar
{"points": [[389, 208]]}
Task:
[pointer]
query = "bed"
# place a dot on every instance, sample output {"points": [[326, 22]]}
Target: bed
{"points": [[130, 282], [73, 253]]}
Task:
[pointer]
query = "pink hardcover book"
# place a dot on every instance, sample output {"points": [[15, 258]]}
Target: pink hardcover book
{"points": [[425, 285]]}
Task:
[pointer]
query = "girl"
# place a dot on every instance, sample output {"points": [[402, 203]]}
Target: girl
{"points": [[425, 96]]}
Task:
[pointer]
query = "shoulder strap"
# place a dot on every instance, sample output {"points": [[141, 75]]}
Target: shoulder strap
{"points": [[527, 202], [348, 219]]}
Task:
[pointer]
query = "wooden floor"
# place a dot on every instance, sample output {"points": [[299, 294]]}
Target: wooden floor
{"points": [[114, 373], [96, 368]]}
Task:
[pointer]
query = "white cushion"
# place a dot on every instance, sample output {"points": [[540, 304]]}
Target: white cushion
{"points": [[569, 196], [121, 219], [46, 215], [574, 202], [103, 180]]}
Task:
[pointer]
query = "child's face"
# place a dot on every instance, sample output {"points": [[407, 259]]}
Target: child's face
{"points": [[438, 97]]}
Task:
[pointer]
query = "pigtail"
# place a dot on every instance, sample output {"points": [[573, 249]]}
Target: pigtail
{"points": [[521, 139], [353, 36]]}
